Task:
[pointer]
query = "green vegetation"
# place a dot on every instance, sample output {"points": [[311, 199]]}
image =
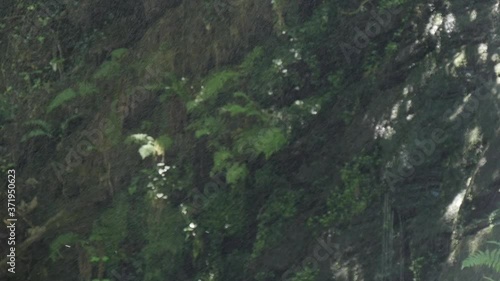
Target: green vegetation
{"points": [[234, 140]]}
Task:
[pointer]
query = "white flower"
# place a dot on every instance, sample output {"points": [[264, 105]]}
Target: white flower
{"points": [[163, 171], [183, 209]]}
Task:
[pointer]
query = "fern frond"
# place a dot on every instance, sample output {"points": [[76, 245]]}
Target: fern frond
{"points": [[236, 109], [217, 82], [119, 53], [108, 69], [40, 123], [236, 172], [212, 87], [490, 259], [66, 122], [269, 141], [494, 243], [251, 59], [62, 98], [87, 89], [35, 133]]}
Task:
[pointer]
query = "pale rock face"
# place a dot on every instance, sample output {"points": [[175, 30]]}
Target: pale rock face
{"points": [[497, 72]]}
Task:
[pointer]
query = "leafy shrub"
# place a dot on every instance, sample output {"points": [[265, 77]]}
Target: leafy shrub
{"points": [[357, 190]]}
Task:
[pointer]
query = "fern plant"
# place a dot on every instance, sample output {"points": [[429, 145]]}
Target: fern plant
{"points": [[39, 128], [490, 259], [212, 87], [62, 98]]}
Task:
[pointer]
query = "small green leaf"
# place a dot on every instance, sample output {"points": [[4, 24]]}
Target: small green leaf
{"points": [[35, 133], [132, 190], [108, 69], [236, 173], [242, 95], [164, 141], [201, 132], [221, 159], [270, 141], [235, 109], [119, 53], [41, 123], [87, 89]]}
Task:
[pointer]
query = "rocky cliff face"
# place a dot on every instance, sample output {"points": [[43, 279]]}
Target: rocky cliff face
{"points": [[438, 127]]}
